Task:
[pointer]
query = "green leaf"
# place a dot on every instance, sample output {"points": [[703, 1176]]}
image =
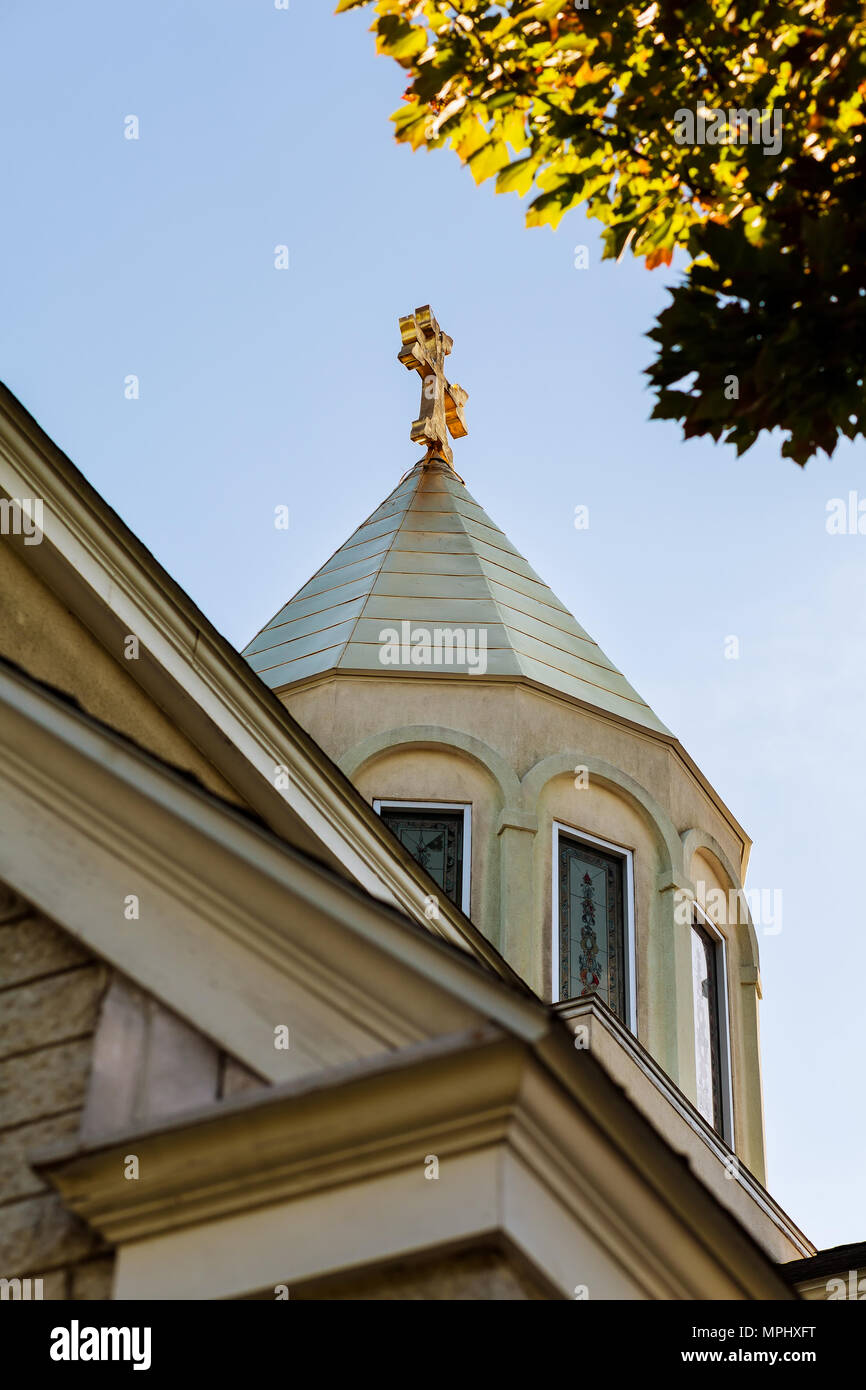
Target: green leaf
{"points": [[516, 177], [399, 39], [776, 290]]}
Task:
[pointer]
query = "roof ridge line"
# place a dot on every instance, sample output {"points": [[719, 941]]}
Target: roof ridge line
{"points": [[385, 553], [324, 563], [485, 576]]}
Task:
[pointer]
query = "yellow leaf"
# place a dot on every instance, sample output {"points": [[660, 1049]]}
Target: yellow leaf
{"points": [[470, 138], [490, 158], [514, 130]]}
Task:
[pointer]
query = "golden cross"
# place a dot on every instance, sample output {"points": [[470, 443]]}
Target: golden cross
{"points": [[424, 350]]}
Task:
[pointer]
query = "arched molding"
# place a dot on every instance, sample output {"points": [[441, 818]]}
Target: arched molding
{"points": [[694, 840], [607, 775], [436, 737]]}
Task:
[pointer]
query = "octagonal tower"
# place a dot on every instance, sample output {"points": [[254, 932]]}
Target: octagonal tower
{"points": [[540, 791]]}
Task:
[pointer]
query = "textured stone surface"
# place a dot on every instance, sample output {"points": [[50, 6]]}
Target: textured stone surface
{"points": [[44, 1082], [93, 1279], [39, 1233], [17, 1178], [485, 1275], [34, 947], [50, 1010], [72, 1031], [55, 1286], [50, 992]]}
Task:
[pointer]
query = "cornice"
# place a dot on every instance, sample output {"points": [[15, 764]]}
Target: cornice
{"points": [[586, 1151], [346, 1124], [573, 1011], [169, 831]]}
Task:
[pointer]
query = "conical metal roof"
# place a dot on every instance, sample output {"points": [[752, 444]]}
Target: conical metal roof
{"points": [[431, 557]]}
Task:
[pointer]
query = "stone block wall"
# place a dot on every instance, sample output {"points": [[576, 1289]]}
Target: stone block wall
{"points": [[50, 995], [83, 1052]]}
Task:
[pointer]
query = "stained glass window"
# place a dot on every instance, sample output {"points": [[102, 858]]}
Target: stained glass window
{"points": [[591, 924], [435, 839], [708, 1042]]}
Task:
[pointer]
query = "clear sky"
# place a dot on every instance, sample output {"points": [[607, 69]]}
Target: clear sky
{"points": [[258, 387]]}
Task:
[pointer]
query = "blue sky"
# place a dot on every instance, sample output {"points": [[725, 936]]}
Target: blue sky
{"points": [[261, 387]]}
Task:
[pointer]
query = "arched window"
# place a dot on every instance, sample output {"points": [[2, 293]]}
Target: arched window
{"points": [[593, 922], [709, 994]]}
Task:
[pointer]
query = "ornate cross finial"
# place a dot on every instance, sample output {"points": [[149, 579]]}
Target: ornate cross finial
{"points": [[424, 350]]}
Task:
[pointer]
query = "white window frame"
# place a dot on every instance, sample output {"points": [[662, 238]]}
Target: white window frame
{"points": [[571, 832], [466, 808], [723, 1008]]}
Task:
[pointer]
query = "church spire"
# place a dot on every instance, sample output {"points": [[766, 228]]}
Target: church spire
{"points": [[424, 349]]}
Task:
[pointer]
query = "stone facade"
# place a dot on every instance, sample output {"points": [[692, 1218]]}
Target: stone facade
{"points": [[50, 993], [83, 1052], [483, 1275]]}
